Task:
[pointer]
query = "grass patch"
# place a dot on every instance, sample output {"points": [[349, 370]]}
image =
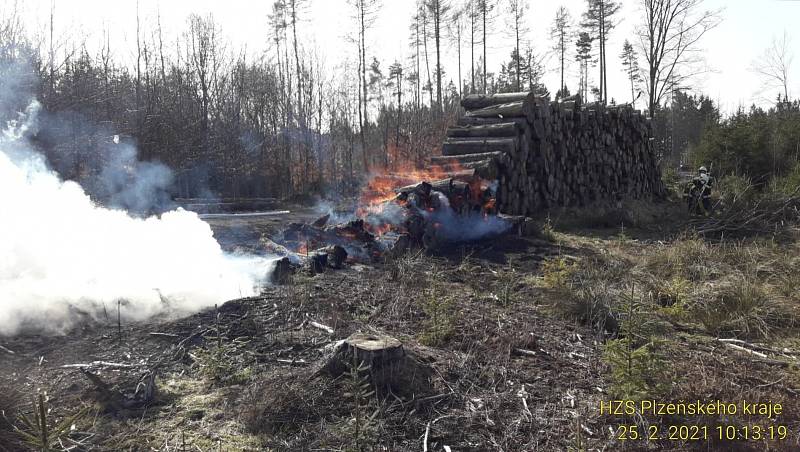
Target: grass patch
{"points": [[557, 272], [670, 292], [222, 364], [741, 309], [505, 286]]}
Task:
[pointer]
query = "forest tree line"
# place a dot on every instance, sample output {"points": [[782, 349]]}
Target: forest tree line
{"points": [[284, 124]]}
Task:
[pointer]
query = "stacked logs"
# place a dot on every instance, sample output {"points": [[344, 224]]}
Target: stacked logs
{"points": [[549, 154]]}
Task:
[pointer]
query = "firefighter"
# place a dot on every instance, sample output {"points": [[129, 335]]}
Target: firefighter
{"points": [[698, 192], [707, 183]]}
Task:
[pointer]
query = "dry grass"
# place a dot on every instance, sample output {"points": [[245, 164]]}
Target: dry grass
{"points": [[568, 303], [687, 293]]}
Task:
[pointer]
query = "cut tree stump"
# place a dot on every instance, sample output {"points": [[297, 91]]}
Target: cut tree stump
{"points": [[391, 367], [337, 255], [317, 262], [283, 271]]}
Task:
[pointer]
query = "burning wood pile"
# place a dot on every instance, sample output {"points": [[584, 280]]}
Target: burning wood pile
{"points": [[394, 215], [547, 154]]}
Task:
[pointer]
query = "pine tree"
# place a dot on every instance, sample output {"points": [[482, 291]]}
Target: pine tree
{"points": [[631, 66], [560, 33], [584, 55]]}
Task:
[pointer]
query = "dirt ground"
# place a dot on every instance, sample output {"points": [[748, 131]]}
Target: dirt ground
{"points": [[511, 366]]}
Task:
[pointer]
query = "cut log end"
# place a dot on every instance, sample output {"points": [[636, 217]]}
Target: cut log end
{"points": [[388, 363]]}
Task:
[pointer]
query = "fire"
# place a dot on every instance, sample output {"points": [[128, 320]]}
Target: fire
{"points": [[382, 188], [403, 208], [382, 185], [378, 229]]}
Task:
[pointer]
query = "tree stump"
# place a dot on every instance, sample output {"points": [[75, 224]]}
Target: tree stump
{"points": [[317, 262], [336, 255], [390, 366], [282, 272]]}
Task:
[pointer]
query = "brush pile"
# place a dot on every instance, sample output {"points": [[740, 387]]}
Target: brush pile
{"points": [[548, 154]]}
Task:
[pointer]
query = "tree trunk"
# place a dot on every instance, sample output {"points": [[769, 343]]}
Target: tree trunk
{"points": [[436, 24], [472, 46], [484, 7]]}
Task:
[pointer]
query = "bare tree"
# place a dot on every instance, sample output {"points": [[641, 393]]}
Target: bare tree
{"points": [[52, 48], [416, 42], [668, 38], [598, 19], [484, 9], [423, 15], [775, 63], [438, 10], [396, 81], [457, 25], [294, 8], [560, 33], [365, 11], [517, 10], [473, 27]]}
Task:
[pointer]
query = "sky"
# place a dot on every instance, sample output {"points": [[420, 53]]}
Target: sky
{"points": [[747, 29]]}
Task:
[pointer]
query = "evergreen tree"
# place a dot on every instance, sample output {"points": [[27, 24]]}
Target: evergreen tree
{"points": [[631, 65], [584, 55], [560, 33]]}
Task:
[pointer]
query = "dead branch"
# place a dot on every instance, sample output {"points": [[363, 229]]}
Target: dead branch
{"points": [[100, 364], [320, 326]]}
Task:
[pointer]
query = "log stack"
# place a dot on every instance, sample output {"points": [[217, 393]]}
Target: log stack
{"points": [[550, 154]]}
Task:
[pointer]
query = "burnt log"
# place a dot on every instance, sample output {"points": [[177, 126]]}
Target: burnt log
{"points": [[270, 247], [321, 221], [394, 244], [353, 230]]}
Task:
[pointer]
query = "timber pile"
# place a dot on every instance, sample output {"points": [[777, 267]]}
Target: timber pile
{"points": [[548, 154]]}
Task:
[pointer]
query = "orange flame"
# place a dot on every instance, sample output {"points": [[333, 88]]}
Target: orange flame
{"points": [[383, 184]]}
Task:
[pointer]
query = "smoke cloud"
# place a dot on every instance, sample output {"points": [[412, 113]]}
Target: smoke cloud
{"points": [[466, 228], [63, 257], [138, 187]]}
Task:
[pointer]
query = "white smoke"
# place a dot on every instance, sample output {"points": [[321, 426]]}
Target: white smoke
{"points": [[465, 228], [61, 255]]}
